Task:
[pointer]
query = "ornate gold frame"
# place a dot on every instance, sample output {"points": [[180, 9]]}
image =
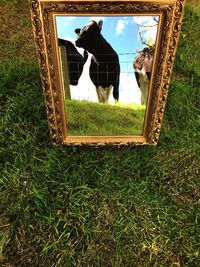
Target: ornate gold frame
{"points": [[42, 14]]}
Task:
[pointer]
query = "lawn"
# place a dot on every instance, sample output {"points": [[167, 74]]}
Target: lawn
{"points": [[101, 207], [89, 118]]}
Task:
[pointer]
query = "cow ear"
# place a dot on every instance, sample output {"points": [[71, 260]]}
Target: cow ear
{"points": [[77, 31], [100, 23]]}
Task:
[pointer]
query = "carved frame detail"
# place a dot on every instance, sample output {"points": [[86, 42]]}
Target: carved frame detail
{"points": [[42, 21]]}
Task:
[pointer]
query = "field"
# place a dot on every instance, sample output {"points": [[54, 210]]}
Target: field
{"points": [[87, 118], [96, 207]]}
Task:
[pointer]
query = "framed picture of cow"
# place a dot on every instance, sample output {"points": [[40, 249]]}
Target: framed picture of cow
{"points": [[106, 67]]}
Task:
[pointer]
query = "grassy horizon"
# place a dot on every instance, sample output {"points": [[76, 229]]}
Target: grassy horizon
{"points": [[96, 207]]}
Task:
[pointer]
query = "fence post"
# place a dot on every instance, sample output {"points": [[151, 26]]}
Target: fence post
{"points": [[64, 71]]}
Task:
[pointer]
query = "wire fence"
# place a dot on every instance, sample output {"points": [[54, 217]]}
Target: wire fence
{"points": [[128, 89]]}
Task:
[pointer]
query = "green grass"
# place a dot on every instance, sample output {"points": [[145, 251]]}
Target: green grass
{"points": [[101, 207], [104, 119]]}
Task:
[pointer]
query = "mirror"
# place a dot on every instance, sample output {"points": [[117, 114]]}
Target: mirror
{"points": [[106, 68], [105, 76]]}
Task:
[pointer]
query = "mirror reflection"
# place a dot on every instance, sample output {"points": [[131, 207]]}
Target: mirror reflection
{"points": [[106, 67]]}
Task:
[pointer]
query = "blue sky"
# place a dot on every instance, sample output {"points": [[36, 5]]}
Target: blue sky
{"points": [[121, 32], [122, 37]]}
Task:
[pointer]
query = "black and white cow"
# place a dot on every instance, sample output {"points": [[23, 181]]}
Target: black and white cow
{"points": [[143, 66], [104, 66], [75, 61]]}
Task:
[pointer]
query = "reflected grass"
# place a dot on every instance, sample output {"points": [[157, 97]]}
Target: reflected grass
{"points": [[89, 118]]}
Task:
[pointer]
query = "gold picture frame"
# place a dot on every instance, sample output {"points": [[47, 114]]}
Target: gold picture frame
{"points": [[43, 13]]}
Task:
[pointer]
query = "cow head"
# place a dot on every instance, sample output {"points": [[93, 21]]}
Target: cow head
{"points": [[88, 34], [144, 59], [75, 60], [143, 66]]}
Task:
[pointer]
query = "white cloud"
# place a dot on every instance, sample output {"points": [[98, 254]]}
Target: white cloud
{"points": [[150, 33], [147, 27], [121, 24], [145, 20]]}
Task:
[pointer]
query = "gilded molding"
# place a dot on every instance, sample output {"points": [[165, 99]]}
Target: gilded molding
{"points": [[49, 94], [169, 62], [41, 13]]}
